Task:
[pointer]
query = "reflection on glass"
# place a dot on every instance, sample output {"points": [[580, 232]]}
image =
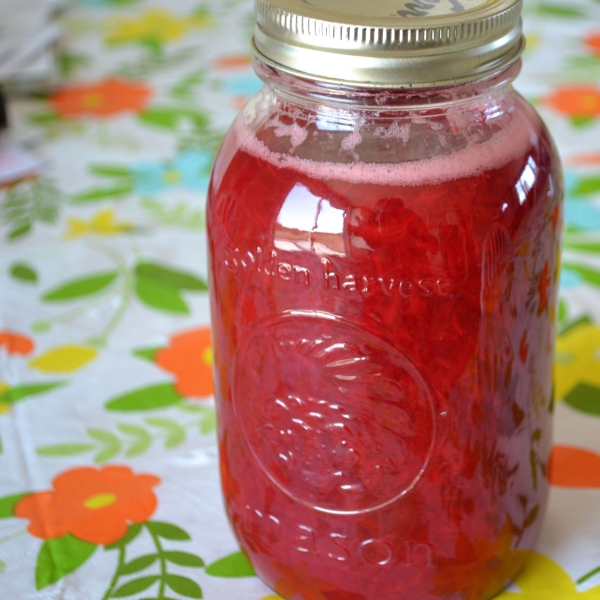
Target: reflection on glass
{"points": [[527, 180], [307, 222]]}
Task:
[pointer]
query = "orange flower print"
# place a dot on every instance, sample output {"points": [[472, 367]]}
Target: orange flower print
{"points": [[592, 41], [15, 343], [574, 468], [189, 358], [94, 505], [104, 99], [585, 159], [233, 62], [575, 100]]}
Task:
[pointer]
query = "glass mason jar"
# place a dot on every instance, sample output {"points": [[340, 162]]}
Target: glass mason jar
{"points": [[384, 229]]}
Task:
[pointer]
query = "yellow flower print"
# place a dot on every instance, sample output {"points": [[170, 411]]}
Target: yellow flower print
{"points": [[155, 25], [533, 41], [543, 579], [577, 358], [64, 359], [102, 223]]}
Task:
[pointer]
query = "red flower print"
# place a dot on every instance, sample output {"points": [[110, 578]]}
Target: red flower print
{"points": [[189, 358], [15, 343], [104, 99], [94, 505]]}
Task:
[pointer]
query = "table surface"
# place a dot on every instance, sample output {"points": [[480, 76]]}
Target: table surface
{"points": [[106, 415]]}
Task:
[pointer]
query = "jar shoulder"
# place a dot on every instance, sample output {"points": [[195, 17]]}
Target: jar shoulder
{"points": [[279, 142], [279, 128]]}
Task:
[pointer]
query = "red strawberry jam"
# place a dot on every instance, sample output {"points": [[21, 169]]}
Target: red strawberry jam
{"points": [[383, 298]]}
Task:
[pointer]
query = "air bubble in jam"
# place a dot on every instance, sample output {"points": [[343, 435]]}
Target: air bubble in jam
{"points": [[383, 434]]}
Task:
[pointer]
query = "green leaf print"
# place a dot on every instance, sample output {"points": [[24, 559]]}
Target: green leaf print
{"points": [[582, 122], [591, 276], [97, 194], [28, 203], [111, 445], [170, 117], [184, 559], [146, 353], [183, 586], [149, 398], [19, 231], [589, 575], [153, 62], [209, 423], [44, 118], [158, 531], [587, 185], [79, 288], [24, 272], [70, 62], [142, 440], [176, 434], [139, 564], [158, 295], [136, 440], [563, 311], [8, 503], [21, 392], [179, 215], [59, 557], [185, 89], [585, 398], [59, 450], [110, 171], [591, 247], [172, 277], [234, 565], [559, 10], [568, 326], [136, 586], [167, 531]]}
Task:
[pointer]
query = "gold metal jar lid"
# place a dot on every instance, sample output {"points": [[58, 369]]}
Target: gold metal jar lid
{"points": [[389, 43]]}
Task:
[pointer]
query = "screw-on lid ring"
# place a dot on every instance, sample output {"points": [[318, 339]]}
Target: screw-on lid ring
{"points": [[389, 43]]}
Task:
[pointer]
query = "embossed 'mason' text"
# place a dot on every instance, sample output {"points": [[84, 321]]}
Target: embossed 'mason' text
{"points": [[329, 277], [336, 546]]}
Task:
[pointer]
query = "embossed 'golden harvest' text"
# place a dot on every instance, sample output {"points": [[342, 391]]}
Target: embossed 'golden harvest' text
{"points": [[270, 263]]}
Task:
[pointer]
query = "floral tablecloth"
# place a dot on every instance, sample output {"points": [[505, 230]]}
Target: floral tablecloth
{"points": [[108, 461]]}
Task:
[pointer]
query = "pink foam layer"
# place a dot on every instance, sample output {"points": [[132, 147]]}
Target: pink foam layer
{"points": [[513, 141]]}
